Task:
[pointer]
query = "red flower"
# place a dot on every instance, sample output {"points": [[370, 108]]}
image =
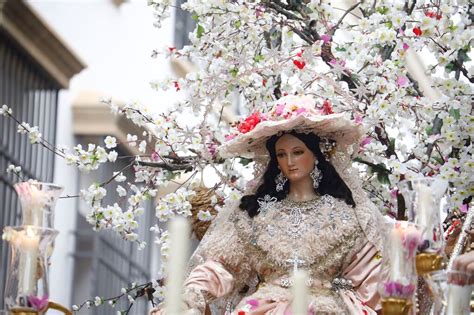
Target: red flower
{"points": [[264, 82], [249, 123], [327, 108], [300, 53], [417, 31], [299, 63], [176, 86]]}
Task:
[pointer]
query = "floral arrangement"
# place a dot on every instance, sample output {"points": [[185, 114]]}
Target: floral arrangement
{"points": [[252, 53], [398, 290]]}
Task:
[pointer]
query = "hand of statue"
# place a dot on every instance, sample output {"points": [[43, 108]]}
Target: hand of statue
{"points": [[465, 262]]}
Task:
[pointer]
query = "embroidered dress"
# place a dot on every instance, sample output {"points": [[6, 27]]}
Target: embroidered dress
{"points": [[245, 264]]}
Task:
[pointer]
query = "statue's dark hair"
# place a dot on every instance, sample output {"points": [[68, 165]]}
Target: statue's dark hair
{"points": [[331, 183]]}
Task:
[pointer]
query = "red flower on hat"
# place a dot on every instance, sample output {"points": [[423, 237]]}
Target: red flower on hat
{"points": [[300, 64], [327, 108], [417, 31], [250, 122]]}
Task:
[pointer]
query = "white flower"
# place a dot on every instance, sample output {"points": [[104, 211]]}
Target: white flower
{"points": [[142, 146], [34, 135], [110, 142], [130, 299], [23, 128], [120, 178], [123, 290], [159, 293], [205, 215], [121, 191], [97, 301], [5, 110], [75, 307], [13, 169], [112, 156], [131, 139]]}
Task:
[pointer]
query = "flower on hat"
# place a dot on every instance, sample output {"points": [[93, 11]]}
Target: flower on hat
{"points": [[250, 122]]}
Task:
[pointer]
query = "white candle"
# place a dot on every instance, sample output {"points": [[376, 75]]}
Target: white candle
{"points": [[425, 208], [458, 300], [179, 237], [397, 260], [417, 70], [300, 293], [28, 245]]}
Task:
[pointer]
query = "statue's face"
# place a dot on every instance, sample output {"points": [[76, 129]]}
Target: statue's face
{"points": [[294, 158]]}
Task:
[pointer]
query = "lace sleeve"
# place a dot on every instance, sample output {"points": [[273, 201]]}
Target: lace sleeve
{"points": [[220, 266]]}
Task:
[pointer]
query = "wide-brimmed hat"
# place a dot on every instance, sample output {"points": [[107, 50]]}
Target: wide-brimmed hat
{"points": [[299, 113]]}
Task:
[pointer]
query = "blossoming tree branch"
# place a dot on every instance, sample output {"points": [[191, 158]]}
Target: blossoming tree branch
{"points": [[352, 57]]}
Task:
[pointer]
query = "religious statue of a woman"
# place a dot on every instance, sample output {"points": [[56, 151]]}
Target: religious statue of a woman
{"points": [[307, 210]]}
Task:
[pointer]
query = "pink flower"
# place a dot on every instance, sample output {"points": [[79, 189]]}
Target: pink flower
{"points": [[402, 81], [326, 38], [366, 141], [279, 109], [300, 111], [230, 137], [358, 119], [405, 46], [463, 208], [394, 193], [253, 303], [38, 303], [154, 156]]}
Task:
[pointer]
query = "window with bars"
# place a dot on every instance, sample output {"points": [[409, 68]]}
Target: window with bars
{"points": [[33, 97], [104, 262], [183, 25]]}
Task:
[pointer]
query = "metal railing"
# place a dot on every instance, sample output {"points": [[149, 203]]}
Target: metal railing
{"points": [[33, 97]]}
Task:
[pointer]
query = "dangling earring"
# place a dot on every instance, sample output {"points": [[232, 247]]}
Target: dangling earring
{"points": [[280, 181], [316, 175]]}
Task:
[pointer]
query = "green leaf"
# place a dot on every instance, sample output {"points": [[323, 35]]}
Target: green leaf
{"points": [[258, 58], [245, 161], [391, 146], [449, 67], [340, 49], [195, 17], [462, 54], [200, 31], [455, 113], [234, 72], [382, 10], [429, 130], [237, 24], [389, 24]]}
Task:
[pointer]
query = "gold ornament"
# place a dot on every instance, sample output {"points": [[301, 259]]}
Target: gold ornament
{"points": [[396, 306], [428, 262]]}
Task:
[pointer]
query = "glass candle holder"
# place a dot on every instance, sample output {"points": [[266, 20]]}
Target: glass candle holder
{"points": [[37, 202], [26, 288], [423, 197], [451, 292], [398, 264]]}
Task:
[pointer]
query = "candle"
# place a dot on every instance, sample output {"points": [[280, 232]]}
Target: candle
{"points": [[425, 208], [300, 292], [397, 259], [458, 299], [28, 246], [416, 69], [179, 234], [33, 202]]}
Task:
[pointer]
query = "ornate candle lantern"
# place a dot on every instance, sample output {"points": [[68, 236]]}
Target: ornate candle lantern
{"points": [[423, 197], [27, 283], [398, 263], [27, 288]]}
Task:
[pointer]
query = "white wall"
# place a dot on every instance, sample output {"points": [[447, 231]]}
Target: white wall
{"points": [[116, 45]]}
